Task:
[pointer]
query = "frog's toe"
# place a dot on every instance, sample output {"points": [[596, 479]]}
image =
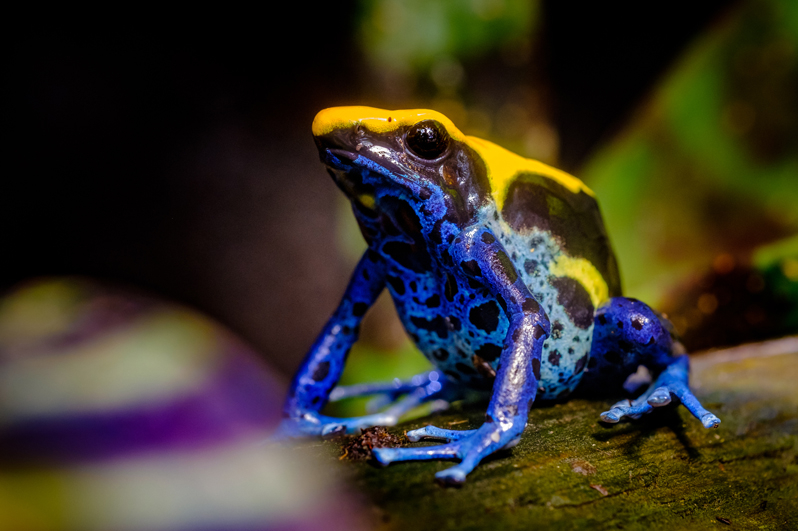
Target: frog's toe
{"points": [[625, 409], [432, 432], [334, 430], [386, 456], [451, 477], [709, 420], [660, 397]]}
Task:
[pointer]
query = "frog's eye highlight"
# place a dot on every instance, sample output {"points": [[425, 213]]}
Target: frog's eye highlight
{"points": [[428, 139]]}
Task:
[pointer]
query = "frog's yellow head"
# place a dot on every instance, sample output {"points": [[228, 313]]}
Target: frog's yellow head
{"points": [[421, 150]]}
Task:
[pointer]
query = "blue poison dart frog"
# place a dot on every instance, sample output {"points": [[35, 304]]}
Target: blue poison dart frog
{"points": [[502, 274]]}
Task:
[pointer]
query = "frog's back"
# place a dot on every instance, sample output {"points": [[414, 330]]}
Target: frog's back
{"points": [[551, 225]]}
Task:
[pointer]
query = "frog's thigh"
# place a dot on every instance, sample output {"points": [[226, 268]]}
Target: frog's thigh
{"points": [[628, 333]]}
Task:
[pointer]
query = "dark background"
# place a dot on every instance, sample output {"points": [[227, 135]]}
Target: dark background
{"points": [[176, 156]]}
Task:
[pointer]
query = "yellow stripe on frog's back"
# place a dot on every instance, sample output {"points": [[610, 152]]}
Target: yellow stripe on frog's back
{"points": [[504, 165], [584, 272]]}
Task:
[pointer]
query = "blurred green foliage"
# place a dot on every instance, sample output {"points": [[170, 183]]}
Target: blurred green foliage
{"points": [[710, 164], [413, 37]]}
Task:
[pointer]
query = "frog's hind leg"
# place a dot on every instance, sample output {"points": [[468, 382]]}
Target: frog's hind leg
{"points": [[628, 333]]}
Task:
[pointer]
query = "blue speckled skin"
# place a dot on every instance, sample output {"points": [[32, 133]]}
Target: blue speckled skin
{"points": [[478, 299]]}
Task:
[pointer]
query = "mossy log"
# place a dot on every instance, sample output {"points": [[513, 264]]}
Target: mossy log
{"points": [[664, 471]]}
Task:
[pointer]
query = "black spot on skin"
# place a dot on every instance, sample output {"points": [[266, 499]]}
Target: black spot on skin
{"points": [[570, 350], [397, 284], [580, 364], [502, 302], [465, 369], [554, 358], [472, 296], [637, 324], [433, 302], [539, 332], [602, 319], [435, 235], [619, 324], [407, 256], [518, 333], [315, 400], [531, 305], [454, 323], [366, 274], [575, 300], [507, 266], [487, 238], [625, 345], [450, 289], [446, 259], [556, 330], [437, 325], [489, 352], [471, 267], [475, 284], [441, 354], [536, 368], [577, 339], [413, 286], [372, 255], [530, 266], [613, 357], [359, 309], [453, 375], [485, 316], [321, 371], [424, 194], [535, 201], [346, 330], [650, 341]]}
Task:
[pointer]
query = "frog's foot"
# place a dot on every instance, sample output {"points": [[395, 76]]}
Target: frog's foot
{"points": [[471, 446], [388, 393], [311, 423], [672, 383]]}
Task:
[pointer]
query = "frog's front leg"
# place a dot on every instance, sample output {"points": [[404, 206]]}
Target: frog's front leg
{"points": [[628, 333], [322, 368], [480, 256]]}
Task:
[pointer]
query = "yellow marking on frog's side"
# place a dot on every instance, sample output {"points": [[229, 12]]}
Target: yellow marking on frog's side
{"points": [[378, 121], [585, 273], [504, 165]]}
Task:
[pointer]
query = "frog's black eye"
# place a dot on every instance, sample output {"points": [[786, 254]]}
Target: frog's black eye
{"points": [[428, 139]]}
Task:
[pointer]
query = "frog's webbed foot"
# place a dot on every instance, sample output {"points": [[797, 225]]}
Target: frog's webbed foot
{"points": [[471, 446], [671, 383], [387, 394], [402, 398]]}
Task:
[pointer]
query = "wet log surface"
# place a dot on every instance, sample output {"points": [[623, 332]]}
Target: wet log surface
{"points": [[664, 471]]}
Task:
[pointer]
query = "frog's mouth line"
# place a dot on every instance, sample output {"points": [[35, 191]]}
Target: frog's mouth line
{"points": [[348, 161]]}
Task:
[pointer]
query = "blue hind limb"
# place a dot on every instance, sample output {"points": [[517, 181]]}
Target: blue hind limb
{"points": [[672, 382], [628, 333]]}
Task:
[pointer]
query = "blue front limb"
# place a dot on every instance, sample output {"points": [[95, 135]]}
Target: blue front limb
{"points": [[628, 333], [480, 256], [322, 367]]}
